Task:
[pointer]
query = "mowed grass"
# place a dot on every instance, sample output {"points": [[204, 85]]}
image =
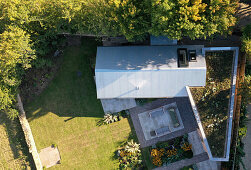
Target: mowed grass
{"points": [[66, 114], [13, 151]]}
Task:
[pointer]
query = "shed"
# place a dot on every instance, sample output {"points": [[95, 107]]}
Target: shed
{"points": [[146, 72]]}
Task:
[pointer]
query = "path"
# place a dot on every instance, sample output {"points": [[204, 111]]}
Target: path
{"points": [[247, 143]]}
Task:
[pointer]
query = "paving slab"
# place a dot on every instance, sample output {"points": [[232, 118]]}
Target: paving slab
{"points": [[49, 156], [117, 105]]}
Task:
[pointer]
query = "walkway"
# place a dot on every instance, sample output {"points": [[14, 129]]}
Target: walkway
{"points": [[247, 143]]}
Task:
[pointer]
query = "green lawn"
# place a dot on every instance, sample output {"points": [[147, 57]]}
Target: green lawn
{"points": [[66, 114], [212, 101], [13, 151]]}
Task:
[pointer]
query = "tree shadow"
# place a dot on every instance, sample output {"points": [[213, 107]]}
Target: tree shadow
{"points": [[72, 92], [17, 141]]}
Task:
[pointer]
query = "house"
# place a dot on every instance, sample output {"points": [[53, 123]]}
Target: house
{"points": [[130, 72]]}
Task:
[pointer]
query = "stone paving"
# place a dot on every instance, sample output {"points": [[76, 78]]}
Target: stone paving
{"points": [[49, 156], [117, 105]]}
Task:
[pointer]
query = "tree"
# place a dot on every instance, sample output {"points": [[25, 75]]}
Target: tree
{"points": [[15, 56], [192, 18]]}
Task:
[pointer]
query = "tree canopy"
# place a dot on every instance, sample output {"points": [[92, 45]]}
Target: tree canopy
{"points": [[15, 55]]}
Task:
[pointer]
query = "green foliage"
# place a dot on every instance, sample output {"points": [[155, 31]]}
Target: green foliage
{"points": [[132, 147], [242, 131], [110, 118], [16, 55], [192, 18], [245, 89], [213, 100], [41, 62], [130, 156], [132, 17], [171, 151], [246, 40]]}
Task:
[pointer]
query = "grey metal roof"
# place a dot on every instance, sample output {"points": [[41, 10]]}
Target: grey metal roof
{"points": [[146, 72], [144, 57], [162, 40]]}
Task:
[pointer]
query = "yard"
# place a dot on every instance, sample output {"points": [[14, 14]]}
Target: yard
{"points": [[67, 112], [212, 101], [12, 145]]}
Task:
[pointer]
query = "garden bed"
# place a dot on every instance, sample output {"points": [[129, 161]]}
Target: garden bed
{"points": [[164, 153], [212, 101]]}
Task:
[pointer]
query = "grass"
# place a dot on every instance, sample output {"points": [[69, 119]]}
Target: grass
{"points": [[212, 101], [67, 111], [14, 153]]}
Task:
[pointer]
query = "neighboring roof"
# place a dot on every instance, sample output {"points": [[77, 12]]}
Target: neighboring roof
{"points": [[162, 40], [144, 57], [146, 72]]}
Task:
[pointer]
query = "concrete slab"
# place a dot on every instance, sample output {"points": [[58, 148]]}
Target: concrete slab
{"points": [[49, 156], [207, 165], [152, 123], [117, 105], [195, 140]]}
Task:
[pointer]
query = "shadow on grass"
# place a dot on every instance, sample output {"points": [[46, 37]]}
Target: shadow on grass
{"points": [[17, 141], [72, 93]]}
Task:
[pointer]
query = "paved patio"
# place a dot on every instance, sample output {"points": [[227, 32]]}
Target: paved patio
{"points": [[186, 114], [117, 105], [152, 123]]}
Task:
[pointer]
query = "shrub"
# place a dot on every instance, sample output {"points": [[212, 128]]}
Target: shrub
{"points": [[132, 147], [109, 118], [41, 63], [130, 156], [171, 151], [246, 40], [186, 147]]}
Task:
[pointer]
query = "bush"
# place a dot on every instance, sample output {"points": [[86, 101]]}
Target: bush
{"points": [[109, 118], [130, 156], [246, 40], [132, 147], [41, 63], [171, 151]]}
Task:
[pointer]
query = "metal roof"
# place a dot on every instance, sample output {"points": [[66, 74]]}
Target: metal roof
{"points": [[162, 40], [146, 72]]}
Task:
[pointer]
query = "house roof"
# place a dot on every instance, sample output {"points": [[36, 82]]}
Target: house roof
{"points": [[162, 40], [144, 57], [146, 72]]}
